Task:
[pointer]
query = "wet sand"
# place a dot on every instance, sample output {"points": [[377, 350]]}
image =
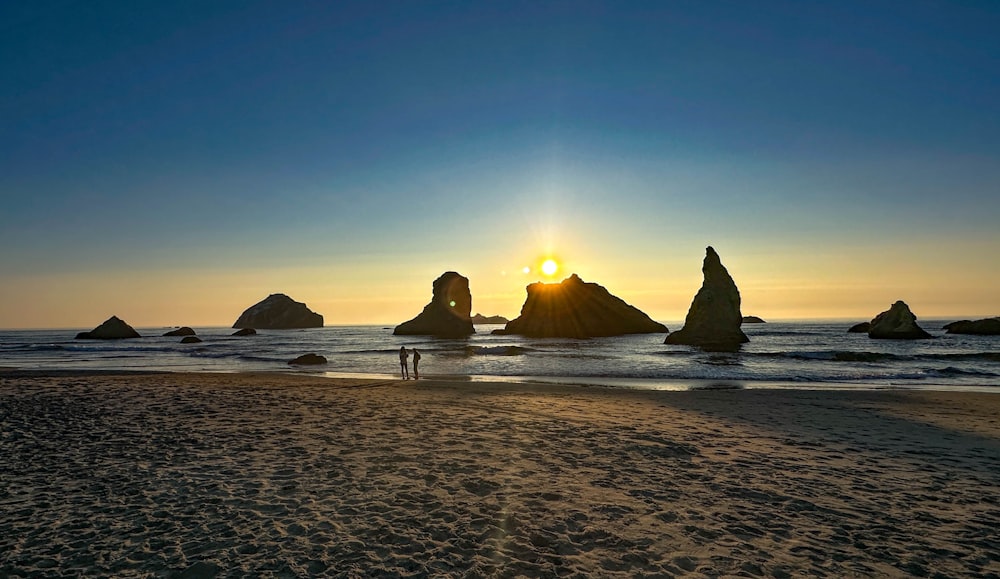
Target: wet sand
{"points": [[205, 475]]}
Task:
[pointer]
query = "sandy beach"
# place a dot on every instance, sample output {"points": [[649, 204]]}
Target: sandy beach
{"points": [[217, 475]]}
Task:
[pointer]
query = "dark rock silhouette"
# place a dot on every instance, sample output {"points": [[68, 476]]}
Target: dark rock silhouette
{"points": [[245, 332], [861, 328], [190, 340], [753, 320], [481, 319], [308, 360], [447, 315], [279, 312], [984, 327], [896, 323], [112, 329], [574, 308], [182, 331], [713, 322]]}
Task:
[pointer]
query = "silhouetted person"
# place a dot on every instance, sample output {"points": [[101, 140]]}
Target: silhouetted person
{"points": [[403, 355], [416, 360]]}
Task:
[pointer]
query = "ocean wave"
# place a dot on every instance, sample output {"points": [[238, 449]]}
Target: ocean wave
{"points": [[252, 358], [496, 350], [32, 348], [866, 356], [717, 360], [953, 371]]}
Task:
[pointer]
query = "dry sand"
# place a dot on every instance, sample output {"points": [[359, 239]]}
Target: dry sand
{"points": [[270, 475]]}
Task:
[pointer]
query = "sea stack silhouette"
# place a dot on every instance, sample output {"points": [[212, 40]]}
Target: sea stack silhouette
{"points": [[182, 331], [113, 328], [278, 312], [896, 323], [984, 327], [448, 315], [574, 308], [713, 322]]}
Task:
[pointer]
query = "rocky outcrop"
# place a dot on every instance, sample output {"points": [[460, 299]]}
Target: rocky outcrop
{"points": [[984, 327], [574, 308], [713, 322], [190, 340], [481, 319], [896, 323], [245, 332], [753, 320], [308, 360], [182, 331], [279, 312], [112, 329], [447, 315], [861, 328]]}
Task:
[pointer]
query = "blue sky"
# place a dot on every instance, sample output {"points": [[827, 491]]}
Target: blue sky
{"points": [[203, 137]]}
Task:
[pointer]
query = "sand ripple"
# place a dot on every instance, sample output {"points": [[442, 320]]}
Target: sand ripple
{"points": [[205, 476]]}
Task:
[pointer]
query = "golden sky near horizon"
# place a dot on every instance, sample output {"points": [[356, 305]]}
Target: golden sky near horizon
{"points": [[937, 282]]}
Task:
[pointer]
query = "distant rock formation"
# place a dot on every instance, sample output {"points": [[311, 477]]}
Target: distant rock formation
{"points": [[245, 332], [984, 327], [481, 319], [713, 322], [190, 340], [279, 312], [112, 329], [308, 360], [182, 331], [753, 320], [861, 328], [896, 323], [447, 315], [574, 308]]}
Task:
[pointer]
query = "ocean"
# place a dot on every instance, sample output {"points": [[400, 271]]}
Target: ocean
{"points": [[819, 354]]}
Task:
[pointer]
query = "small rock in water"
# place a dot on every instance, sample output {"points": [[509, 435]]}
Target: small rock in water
{"points": [[182, 331], [308, 360]]}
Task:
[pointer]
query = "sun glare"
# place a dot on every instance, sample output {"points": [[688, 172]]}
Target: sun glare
{"points": [[549, 267]]}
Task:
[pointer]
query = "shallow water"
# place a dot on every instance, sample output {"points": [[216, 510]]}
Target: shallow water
{"points": [[817, 354]]}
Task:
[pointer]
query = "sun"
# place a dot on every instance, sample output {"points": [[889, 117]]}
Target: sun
{"points": [[549, 267]]}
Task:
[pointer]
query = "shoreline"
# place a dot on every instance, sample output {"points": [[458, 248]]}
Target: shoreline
{"points": [[210, 474], [613, 383]]}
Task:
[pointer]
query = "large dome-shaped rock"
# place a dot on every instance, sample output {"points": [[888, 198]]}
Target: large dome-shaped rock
{"points": [[984, 327], [896, 323], [713, 322], [112, 329], [448, 314], [279, 312], [574, 308]]}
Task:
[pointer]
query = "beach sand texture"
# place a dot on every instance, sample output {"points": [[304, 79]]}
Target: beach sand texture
{"points": [[234, 474]]}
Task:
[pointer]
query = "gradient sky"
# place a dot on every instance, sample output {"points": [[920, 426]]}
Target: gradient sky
{"points": [[175, 162]]}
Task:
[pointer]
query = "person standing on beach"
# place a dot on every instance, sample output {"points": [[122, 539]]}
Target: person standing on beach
{"points": [[403, 355], [416, 360]]}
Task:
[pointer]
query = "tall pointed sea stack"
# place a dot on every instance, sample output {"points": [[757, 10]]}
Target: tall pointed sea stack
{"points": [[577, 309], [896, 323], [279, 312], [713, 322], [449, 313]]}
